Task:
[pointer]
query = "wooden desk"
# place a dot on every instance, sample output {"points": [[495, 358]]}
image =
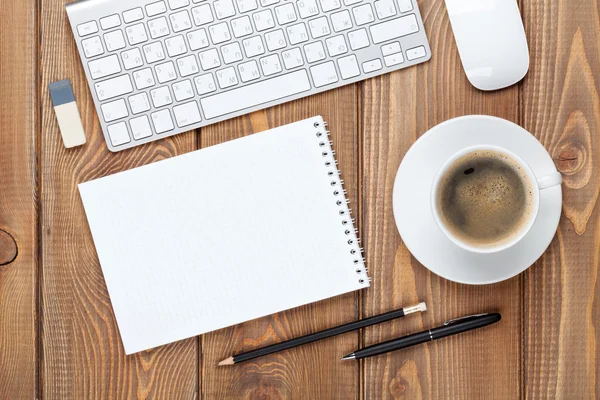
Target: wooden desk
{"points": [[58, 337]]}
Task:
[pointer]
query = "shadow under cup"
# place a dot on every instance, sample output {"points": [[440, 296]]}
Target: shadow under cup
{"points": [[485, 199]]}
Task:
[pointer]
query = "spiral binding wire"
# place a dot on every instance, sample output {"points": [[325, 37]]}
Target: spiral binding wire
{"points": [[345, 211]]}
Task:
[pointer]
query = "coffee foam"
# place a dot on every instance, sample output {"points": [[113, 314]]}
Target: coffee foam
{"points": [[485, 198]]}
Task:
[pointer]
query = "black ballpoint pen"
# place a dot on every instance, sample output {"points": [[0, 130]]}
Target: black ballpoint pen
{"points": [[449, 328]]}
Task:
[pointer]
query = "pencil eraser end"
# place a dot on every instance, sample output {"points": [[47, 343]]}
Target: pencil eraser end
{"points": [[422, 306], [67, 114]]}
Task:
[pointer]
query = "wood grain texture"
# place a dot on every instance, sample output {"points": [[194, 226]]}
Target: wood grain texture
{"points": [[398, 108], [312, 371], [18, 195], [561, 107], [82, 353]]}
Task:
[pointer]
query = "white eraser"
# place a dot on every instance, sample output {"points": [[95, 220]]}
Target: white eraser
{"points": [[67, 114]]}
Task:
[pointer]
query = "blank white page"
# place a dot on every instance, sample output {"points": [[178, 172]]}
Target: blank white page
{"points": [[223, 235]]}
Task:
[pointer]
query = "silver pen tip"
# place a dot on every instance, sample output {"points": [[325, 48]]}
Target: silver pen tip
{"points": [[348, 357]]}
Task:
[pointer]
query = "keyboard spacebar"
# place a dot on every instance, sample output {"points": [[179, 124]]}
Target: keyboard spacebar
{"points": [[255, 94]]}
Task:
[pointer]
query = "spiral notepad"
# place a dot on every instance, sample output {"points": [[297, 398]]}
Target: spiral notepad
{"points": [[224, 235]]}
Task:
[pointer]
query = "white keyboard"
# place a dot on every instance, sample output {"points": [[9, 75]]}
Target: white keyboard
{"points": [[159, 68]]}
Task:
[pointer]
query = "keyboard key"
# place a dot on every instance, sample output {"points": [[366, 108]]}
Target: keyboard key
{"points": [[285, 14], [253, 46], [118, 134], [341, 21], [241, 26], [156, 8], [140, 127], [358, 39], [319, 27], [112, 21], [348, 67], [270, 65], [202, 15], [180, 21], [266, 3], [224, 8], [154, 52], [136, 34], [385, 8], [390, 48], [417, 52], [183, 90], [336, 45], [405, 5], [394, 28], [187, 114], [328, 5], [143, 78], [263, 20], [257, 93], [324, 74], [226, 77], [158, 27], [292, 58], [114, 110], [246, 5], [132, 58], [114, 40], [209, 59], [351, 2], [363, 14], [205, 84], [175, 46], [113, 87], [176, 4], [275, 40], [92, 46], [165, 72], [139, 103], [314, 52], [162, 121], [219, 33], [372, 65], [307, 8], [103, 67], [133, 15], [393, 59], [249, 71], [188, 66], [161, 96], [231, 53], [297, 33], [87, 28], [197, 39]]}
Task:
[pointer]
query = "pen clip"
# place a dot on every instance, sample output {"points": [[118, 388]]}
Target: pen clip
{"points": [[452, 321]]}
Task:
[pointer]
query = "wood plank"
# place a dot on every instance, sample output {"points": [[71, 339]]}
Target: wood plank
{"points": [[312, 371], [398, 108], [561, 107], [82, 353], [18, 194]]}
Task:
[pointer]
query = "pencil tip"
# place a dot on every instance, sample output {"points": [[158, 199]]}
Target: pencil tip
{"points": [[348, 357], [227, 361]]}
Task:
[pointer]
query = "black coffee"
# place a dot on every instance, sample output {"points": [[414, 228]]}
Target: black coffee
{"points": [[485, 198]]}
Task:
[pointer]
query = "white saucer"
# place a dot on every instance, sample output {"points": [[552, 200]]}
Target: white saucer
{"points": [[414, 218]]}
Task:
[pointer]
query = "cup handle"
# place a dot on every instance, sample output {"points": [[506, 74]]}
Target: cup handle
{"points": [[551, 180]]}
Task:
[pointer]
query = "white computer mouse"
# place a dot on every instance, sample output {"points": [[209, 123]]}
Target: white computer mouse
{"points": [[491, 41]]}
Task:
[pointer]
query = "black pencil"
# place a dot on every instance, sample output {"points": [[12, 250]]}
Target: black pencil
{"points": [[313, 337]]}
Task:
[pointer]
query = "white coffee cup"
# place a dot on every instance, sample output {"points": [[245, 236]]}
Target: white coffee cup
{"points": [[537, 184]]}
